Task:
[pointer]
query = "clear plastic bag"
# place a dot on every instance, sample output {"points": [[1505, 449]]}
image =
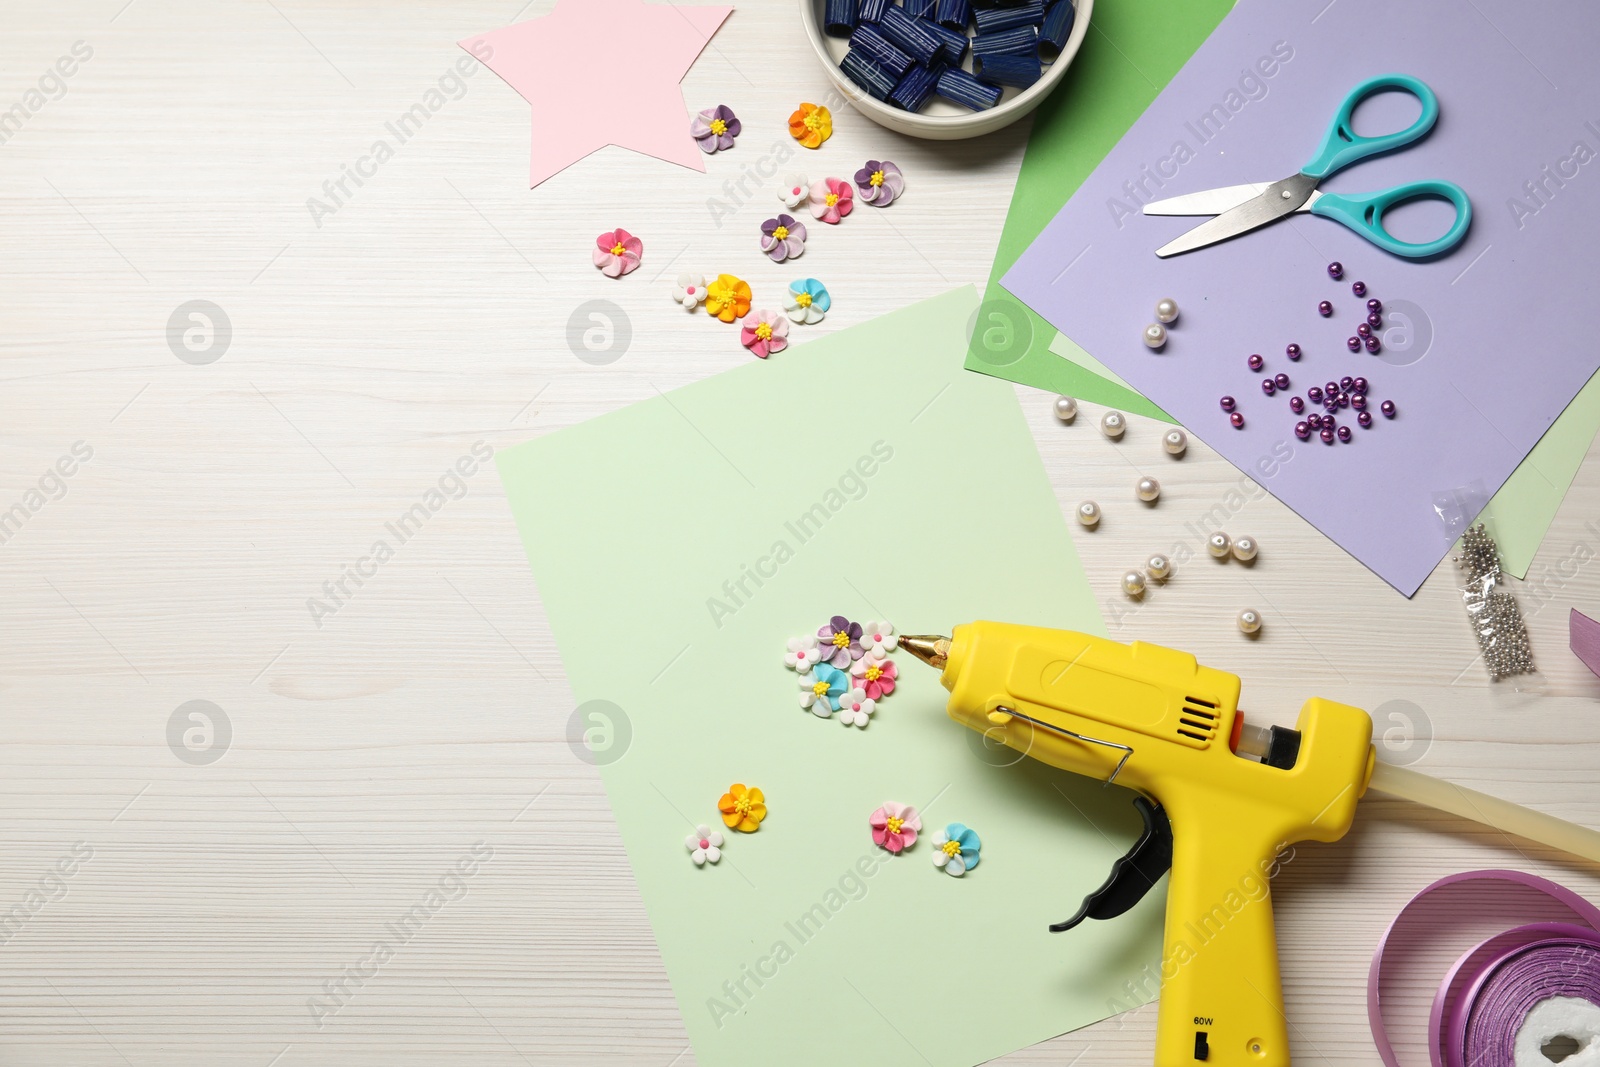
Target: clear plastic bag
{"points": [[1492, 608]]}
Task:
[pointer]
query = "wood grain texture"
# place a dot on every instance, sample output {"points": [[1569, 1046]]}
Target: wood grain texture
{"points": [[371, 754]]}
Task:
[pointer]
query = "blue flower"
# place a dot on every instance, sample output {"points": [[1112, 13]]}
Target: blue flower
{"points": [[956, 849], [808, 301], [821, 688]]}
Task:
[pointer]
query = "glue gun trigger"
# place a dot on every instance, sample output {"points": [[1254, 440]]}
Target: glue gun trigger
{"points": [[1133, 875]]}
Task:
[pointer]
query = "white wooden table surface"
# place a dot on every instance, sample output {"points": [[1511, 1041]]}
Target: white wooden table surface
{"points": [[168, 910]]}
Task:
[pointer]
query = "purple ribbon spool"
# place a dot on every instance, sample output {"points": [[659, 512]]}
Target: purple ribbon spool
{"points": [[1474, 999]]}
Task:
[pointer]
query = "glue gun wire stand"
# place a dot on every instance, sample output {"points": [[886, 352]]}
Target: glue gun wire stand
{"points": [[1220, 799]]}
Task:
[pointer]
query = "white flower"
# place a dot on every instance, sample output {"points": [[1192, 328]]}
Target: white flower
{"points": [[704, 845], [855, 708], [690, 290], [795, 191], [803, 654], [878, 639], [814, 693]]}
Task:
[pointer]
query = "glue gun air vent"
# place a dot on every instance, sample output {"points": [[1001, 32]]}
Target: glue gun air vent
{"points": [[1197, 721]]}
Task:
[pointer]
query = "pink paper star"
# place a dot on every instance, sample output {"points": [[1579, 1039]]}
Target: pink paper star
{"points": [[601, 72]]}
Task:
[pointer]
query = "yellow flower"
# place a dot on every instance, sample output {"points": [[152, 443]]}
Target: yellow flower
{"points": [[728, 298], [811, 125], [743, 808]]}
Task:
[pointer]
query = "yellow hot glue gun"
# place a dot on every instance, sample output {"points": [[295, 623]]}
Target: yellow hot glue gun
{"points": [[1220, 799]]}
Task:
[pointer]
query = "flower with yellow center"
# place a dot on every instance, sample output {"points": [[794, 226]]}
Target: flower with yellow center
{"points": [[873, 672], [877, 177], [719, 127], [743, 807], [803, 299], [764, 331], [811, 125], [951, 848], [781, 233], [618, 248], [895, 825], [820, 688], [728, 298], [832, 199]]}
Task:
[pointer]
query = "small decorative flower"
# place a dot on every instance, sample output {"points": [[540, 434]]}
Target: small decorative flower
{"points": [[881, 183], [856, 708], [715, 128], [808, 302], [844, 637], [764, 333], [617, 252], [704, 845], [957, 849], [728, 298], [821, 688], [743, 808], [811, 125], [783, 238], [877, 675], [831, 200], [690, 290], [796, 191], [895, 826], [878, 639], [803, 654]]}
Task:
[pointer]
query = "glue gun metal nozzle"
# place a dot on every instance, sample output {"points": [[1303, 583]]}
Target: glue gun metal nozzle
{"points": [[929, 648]]}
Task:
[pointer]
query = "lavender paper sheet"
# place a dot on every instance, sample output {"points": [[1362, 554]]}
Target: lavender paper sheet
{"points": [[1483, 347]]}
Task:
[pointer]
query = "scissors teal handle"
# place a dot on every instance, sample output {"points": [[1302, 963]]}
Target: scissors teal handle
{"points": [[1364, 215], [1342, 146]]}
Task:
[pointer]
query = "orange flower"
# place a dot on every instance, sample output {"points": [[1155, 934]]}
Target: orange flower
{"points": [[811, 125], [728, 298], [743, 808]]}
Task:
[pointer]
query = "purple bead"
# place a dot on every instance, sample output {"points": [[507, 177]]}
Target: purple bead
{"points": [[1324, 309], [1315, 393], [1237, 419], [1346, 382], [1344, 400], [1256, 362], [1344, 434], [1227, 403], [1358, 401], [1302, 430], [1314, 420], [1364, 330], [1360, 384], [1353, 344], [1365, 419], [1326, 435], [1331, 387], [1374, 304], [1336, 270], [1388, 409], [1375, 320], [1268, 387], [1373, 346], [1359, 288], [1281, 380], [1293, 351], [1329, 422], [1296, 405]]}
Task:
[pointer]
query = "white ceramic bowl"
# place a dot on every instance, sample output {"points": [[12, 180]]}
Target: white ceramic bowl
{"points": [[942, 120]]}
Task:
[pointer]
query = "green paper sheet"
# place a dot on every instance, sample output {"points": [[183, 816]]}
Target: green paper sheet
{"points": [[1131, 52], [677, 545]]}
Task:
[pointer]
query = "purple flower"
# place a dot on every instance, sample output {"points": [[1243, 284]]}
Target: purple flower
{"points": [[841, 641], [715, 128], [880, 182], [783, 238]]}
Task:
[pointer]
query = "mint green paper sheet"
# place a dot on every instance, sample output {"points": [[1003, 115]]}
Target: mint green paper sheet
{"points": [[677, 545]]}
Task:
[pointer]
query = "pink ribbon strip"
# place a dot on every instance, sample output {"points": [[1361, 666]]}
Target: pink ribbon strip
{"points": [[1585, 639], [1486, 995]]}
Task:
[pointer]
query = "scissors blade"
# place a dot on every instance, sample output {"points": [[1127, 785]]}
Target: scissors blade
{"points": [[1208, 202], [1277, 200]]}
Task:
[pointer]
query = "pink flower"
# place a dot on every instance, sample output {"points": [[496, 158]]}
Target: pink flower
{"points": [[895, 826], [764, 333], [617, 252], [832, 200], [876, 676]]}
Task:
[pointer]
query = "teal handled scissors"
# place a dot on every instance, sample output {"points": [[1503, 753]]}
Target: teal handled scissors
{"points": [[1242, 208]]}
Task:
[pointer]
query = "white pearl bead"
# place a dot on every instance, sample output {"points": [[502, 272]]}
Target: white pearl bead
{"points": [[1133, 584], [1148, 489], [1066, 408], [1218, 545], [1155, 335], [1249, 621], [1089, 513], [1112, 423], [1158, 567], [1166, 310], [1176, 442], [1245, 549]]}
